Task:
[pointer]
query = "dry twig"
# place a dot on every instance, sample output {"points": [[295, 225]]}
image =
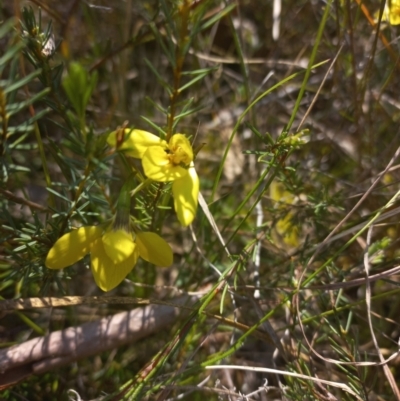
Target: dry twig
{"points": [[63, 347]]}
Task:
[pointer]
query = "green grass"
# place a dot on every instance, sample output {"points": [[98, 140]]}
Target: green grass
{"points": [[296, 143]]}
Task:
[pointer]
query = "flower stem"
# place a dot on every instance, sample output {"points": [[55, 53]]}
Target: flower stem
{"points": [[180, 51]]}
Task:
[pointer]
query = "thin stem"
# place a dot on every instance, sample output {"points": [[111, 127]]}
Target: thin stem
{"points": [[180, 52], [4, 121]]}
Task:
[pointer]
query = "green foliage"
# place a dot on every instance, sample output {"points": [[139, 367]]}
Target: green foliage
{"points": [[294, 141], [79, 86]]}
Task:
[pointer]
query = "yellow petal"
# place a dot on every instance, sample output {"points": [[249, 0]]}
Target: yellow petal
{"points": [[72, 247], [181, 149], [157, 165], [287, 230], [390, 13], [279, 194], [186, 192], [137, 141], [394, 14], [112, 138], [106, 273], [154, 249], [118, 245]]}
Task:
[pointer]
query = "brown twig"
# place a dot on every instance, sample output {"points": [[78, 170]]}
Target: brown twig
{"points": [[62, 347], [10, 196]]}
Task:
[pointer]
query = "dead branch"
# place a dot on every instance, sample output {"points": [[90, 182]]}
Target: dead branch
{"points": [[62, 347]]}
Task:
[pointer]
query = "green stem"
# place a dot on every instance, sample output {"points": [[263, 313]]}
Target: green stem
{"points": [[181, 46], [310, 65], [44, 162]]}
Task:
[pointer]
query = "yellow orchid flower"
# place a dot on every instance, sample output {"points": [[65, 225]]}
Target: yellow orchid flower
{"points": [[166, 161], [113, 253]]}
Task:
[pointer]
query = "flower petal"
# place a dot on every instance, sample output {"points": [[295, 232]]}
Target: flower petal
{"points": [[392, 13], [186, 192], [136, 142], [72, 247], [154, 249], [287, 230], [158, 167], [106, 273], [181, 149], [118, 245]]}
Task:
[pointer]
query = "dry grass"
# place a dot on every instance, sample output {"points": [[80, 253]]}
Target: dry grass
{"points": [[294, 296]]}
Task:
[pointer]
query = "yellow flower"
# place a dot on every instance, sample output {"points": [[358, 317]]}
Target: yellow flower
{"points": [[166, 161], [285, 227], [113, 253], [391, 12]]}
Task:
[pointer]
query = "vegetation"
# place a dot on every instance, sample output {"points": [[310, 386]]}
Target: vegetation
{"points": [[248, 148]]}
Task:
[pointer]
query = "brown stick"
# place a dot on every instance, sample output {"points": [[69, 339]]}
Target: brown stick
{"points": [[62, 347]]}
